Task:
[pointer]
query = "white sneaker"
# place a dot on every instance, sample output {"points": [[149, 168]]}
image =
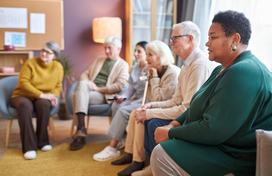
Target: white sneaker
{"points": [[106, 154], [46, 148], [30, 155]]}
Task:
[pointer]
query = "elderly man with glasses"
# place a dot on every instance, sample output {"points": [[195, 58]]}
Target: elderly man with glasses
{"points": [[197, 68]]}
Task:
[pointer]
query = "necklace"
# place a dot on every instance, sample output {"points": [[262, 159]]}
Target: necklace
{"points": [[226, 67]]}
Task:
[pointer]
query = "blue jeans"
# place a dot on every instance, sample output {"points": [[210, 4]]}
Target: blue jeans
{"points": [[150, 127]]}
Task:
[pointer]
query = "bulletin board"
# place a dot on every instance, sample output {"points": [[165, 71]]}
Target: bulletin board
{"points": [[53, 10]]}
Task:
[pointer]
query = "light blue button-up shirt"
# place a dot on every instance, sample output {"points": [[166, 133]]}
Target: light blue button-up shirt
{"points": [[136, 86], [191, 57]]}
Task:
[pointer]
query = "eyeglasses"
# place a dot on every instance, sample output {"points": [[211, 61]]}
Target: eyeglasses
{"points": [[45, 51], [174, 39]]}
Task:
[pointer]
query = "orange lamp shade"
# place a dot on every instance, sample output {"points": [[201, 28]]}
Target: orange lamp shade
{"points": [[105, 27]]}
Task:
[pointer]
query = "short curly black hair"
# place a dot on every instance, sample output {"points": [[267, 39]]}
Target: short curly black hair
{"points": [[234, 22]]}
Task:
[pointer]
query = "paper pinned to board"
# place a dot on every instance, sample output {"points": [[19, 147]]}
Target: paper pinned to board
{"points": [[13, 17], [37, 23], [15, 38]]}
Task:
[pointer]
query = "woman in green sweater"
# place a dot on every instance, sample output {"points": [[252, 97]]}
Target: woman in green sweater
{"points": [[38, 89], [216, 135]]}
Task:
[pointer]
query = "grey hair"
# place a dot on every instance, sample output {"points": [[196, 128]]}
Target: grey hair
{"points": [[53, 46], [162, 50], [188, 27], [114, 40]]}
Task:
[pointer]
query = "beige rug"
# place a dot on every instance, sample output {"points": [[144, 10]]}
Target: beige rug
{"points": [[59, 161]]}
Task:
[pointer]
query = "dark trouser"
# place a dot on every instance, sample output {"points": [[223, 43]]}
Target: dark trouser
{"points": [[150, 127], [25, 108]]}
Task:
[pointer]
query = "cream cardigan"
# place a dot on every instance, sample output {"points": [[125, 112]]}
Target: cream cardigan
{"points": [[117, 79], [162, 89], [189, 81]]}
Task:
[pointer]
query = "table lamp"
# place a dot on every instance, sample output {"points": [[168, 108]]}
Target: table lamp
{"points": [[105, 27]]}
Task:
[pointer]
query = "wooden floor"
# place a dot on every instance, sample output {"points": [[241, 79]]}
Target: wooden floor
{"points": [[98, 127]]}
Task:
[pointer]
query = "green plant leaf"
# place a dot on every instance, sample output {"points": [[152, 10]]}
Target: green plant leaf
{"points": [[68, 73]]}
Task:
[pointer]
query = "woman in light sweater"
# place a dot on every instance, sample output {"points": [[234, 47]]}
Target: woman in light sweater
{"points": [[38, 89], [122, 108], [163, 82]]}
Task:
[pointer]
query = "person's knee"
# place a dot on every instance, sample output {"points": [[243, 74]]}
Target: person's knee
{"points": [[124, 111], [155, 151], [43, 104], [114, 106], [132, 115], [152, 125], [118, 117], [26, 106], [82, 85], [155, 155]]}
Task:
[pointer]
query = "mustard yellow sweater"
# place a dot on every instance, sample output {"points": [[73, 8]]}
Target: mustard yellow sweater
{"points": [[37, 77]]}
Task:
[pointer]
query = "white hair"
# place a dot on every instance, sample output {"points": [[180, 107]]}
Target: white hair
{"points": [[188, 27], [162, 50], [114, 40]]}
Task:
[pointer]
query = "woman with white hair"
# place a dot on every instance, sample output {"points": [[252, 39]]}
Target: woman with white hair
{"points": [[161, 87]]}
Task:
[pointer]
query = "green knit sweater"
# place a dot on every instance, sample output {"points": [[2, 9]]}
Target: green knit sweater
{"points": [[37, 77], [221, 121]]}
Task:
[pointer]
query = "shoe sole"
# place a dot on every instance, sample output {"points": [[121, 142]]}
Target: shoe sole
{"points": [[80, 136], [111, 157], [30, 158], [77, 148], [46, 150]]}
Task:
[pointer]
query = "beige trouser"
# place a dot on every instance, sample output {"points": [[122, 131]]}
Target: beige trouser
{"points": [[84, 96], [163, 165], [135, 139]]}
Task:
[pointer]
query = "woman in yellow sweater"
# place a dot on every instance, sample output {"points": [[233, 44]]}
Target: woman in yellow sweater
{"points": [[38, 88]]}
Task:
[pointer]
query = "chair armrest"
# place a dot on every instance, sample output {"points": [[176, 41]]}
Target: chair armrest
{"points": [[7, 85], [56, 109]]}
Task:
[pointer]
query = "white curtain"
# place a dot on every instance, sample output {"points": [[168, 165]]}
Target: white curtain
{"points": [[187, 12], [201, 17], [257, 11]]}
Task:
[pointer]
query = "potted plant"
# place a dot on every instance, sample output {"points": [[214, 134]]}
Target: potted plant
{"points": [[68, 75]]}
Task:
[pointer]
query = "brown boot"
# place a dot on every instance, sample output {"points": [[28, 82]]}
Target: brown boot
{"points": [[80, 133], [77, 144]]}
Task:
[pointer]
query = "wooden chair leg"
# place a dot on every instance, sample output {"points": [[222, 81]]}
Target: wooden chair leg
{"points": [[72, 129], [88, 120], [8, 132], [52, 127], [110, 119]]}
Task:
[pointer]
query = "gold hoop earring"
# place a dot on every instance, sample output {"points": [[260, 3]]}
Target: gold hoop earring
{"points": [[233, 48]]}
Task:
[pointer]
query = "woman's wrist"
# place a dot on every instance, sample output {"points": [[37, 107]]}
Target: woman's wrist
{"points": [[41, 95]]}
